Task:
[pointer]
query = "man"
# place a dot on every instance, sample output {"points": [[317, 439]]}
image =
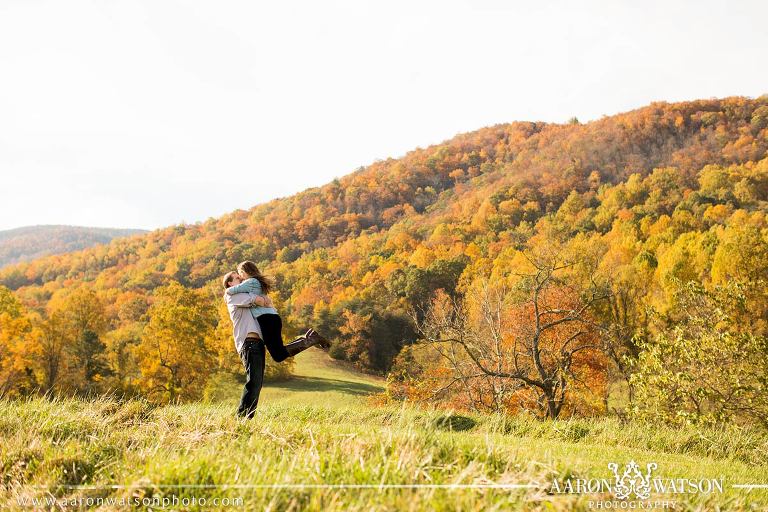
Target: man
{"points": [[249, 347], [249, 344]]}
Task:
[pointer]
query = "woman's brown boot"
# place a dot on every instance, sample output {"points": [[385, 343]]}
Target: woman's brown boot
{"points": [[303, 343], [322, 342]]}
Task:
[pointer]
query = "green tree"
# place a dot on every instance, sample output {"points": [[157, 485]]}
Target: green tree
{"points": [[674, 380]]}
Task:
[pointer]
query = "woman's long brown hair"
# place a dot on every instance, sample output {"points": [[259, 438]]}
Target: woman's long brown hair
{"points": [[249, 268]]}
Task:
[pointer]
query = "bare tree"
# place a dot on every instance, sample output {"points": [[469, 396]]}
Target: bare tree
{"points": [[533, 336]]}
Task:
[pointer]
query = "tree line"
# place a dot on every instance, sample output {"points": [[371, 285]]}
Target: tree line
{"points": [[523, 266]]}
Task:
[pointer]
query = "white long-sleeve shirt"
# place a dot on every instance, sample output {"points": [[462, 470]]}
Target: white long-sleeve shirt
{"points": [[243, 322]]}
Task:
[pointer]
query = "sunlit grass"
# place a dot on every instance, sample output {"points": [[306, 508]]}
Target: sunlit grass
{"points": [[320, 429]]}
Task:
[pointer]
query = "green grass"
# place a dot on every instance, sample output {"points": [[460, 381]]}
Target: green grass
{"points": [[319, 380], [321, 429]]}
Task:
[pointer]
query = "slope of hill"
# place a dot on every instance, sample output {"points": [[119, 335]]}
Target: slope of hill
{"points": [[340, 454], [31, 242], [665, 191], [542, 162], [316, 379]]}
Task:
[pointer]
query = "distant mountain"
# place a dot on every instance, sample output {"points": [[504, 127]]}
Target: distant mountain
{"points": [[30, 242]]}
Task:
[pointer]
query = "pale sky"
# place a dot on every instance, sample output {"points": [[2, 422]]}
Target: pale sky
{"points": [[145, 114]]}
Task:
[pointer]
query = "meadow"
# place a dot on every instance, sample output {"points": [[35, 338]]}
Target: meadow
{"points": [[324, 430]]}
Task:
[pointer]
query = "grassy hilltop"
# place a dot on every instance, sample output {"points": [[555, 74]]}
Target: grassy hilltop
{"points": [[322, 428]]}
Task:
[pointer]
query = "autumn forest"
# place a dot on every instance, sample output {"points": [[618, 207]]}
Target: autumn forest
{"points": [[616, 267]]}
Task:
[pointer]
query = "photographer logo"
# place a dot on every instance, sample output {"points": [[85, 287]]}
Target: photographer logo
{"points": [[633, 486], [632, 482]]}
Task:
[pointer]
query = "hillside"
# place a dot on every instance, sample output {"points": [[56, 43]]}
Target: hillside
{"points": [[31, 242], [667, 194], [316, 379], [541, 162], [304, 448]]}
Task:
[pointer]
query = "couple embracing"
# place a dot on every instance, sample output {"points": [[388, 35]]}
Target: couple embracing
{"points": [[256, 326]]}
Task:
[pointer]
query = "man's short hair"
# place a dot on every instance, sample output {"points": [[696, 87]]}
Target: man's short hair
{"points": [[228, 278]]}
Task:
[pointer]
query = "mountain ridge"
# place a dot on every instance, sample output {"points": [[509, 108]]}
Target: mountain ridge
{"points": [[528, 138], [26, 243]]}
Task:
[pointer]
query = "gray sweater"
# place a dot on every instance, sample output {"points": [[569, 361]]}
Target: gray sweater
{"points": [[243, 322]]}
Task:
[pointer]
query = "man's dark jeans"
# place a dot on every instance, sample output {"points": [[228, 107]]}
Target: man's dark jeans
{"points": [[253, 357]]}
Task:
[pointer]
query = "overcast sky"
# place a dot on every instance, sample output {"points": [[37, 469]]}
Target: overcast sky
{"points": [[150, 113]]}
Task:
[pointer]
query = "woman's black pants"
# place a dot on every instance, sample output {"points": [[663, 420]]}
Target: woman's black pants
{"points": [[253, 357], [272, 332]]}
